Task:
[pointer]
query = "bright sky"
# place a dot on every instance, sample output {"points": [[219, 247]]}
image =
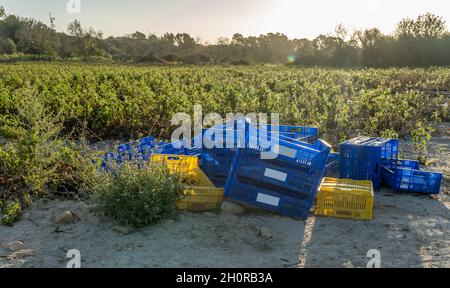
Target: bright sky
{"points": [[210, 19]]}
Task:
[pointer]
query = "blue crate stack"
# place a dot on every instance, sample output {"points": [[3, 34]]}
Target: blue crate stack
{"points": [[361, 157], [216, 162], [286, 184]]}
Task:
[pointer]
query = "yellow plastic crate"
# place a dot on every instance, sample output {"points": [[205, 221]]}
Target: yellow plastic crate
{"points": [[200, 194], [345, 198], [184, 165]]}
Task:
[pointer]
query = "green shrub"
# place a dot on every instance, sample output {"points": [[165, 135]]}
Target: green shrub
{"points": [[136, 196], [35, 159], [34, 150], [12, 210]]}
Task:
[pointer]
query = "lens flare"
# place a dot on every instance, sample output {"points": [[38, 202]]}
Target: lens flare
{"points": [[291, 58]]}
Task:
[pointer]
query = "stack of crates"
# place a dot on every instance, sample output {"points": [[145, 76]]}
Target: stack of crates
{"points": [[406, 175], [286, 184], [360, 158], [344, 198], [217, 162], [200, 194]]}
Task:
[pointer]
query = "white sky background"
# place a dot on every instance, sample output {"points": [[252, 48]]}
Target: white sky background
{"points": [[211, 19]]}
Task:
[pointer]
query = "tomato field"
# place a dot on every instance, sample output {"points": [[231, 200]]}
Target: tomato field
{"points": [[122, 101]]}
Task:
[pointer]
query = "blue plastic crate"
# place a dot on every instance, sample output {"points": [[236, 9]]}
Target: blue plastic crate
{"points": [[406, 175], [278, 175], [309, 155], [216, 164], [293, 132], [297, 131], [332, 167], [283, 186], [137, 149], [216, 161], [173, 148], [270, 200], [400, 163], [360, 158]]}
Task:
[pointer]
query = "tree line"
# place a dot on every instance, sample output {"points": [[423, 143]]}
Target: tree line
{"points": [[424, 41]]}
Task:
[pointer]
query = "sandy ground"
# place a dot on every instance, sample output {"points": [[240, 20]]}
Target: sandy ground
{"points": [[409, 230]]}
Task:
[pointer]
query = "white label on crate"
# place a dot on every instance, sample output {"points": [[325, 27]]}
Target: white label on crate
{"points": [[267, 199], [285, 151], [274, 174]]}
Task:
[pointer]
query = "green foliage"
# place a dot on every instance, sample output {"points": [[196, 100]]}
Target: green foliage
{"points": [[420, 136], [389, 134], [7, 46], [35, 151], [124, 100], [136, 196], [11, 210], [35, 160]]}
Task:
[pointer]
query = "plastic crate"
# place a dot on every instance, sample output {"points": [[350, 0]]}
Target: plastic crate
{"points": [[306, 154], [332, 167], [287, 188], [297, 131], [216, 161], [203, 196], [173, 148], [360, 158], [293, 132], [270, 200], [345, 198], [406, 175], [184, 165], [216, 164], [400, 163]]}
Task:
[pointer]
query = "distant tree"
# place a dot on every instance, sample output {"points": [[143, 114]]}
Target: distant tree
{"points": [[222, 41], [370, 41], [152, 37], [169, 37], [2, 12], [7, 46], [85, 41], [341, 34], [237, 39], [184, 41], [138, 36], [75, 29], [37, 38]]}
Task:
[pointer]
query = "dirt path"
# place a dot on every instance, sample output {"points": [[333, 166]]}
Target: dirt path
{"points": [[409, 230]]}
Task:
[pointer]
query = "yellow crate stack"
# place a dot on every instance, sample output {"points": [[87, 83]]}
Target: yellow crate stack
{"points": [[200, 194], [345, 198]]}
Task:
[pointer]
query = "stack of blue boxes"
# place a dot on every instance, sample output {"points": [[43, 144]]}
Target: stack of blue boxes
{"points": [[376, 159], [282, 177]]}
